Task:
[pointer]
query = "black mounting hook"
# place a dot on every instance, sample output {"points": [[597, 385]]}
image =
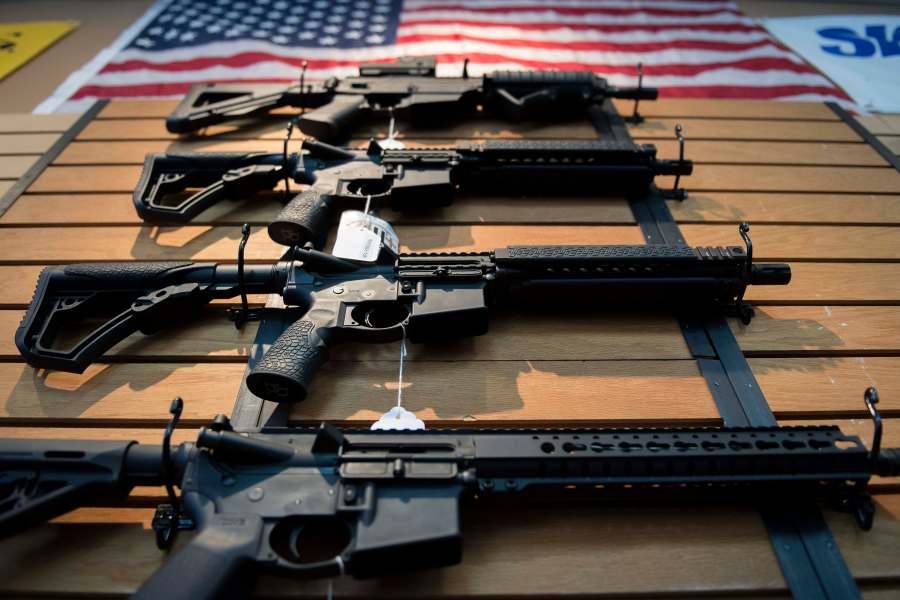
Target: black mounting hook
{"points": [[871, 399], [744, 230], [465, 73], [303, 67], [284, 156], [635, 115], [679, 134], [243, 314], [167, 517]]}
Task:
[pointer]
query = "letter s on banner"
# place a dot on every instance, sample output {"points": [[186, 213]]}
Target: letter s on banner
{"points": [[861, 46]]}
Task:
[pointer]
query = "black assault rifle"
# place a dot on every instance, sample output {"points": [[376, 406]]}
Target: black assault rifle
{"points": [[177, 187], [409, 89], [426, 296], [323, 503]]}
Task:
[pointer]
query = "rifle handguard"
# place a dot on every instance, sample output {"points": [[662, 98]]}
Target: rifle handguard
{"points": [[304, 219], [288, 367]]}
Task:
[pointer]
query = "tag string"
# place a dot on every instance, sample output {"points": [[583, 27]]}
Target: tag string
{"points": [[391, 133], [402, 360]]}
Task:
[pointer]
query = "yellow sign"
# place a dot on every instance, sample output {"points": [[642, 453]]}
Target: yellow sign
{"points": [[20, 42]]}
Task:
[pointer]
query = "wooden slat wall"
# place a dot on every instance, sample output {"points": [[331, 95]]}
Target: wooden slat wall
{"points": [[23, 138], [817, 196]]}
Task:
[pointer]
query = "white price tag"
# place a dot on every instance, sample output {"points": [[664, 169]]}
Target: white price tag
{"points": [[398, 418], [361, 236]]}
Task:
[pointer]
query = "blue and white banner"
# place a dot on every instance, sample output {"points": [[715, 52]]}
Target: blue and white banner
{"points": [[859, 53]]}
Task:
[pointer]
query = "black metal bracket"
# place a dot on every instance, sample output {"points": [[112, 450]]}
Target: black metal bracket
{"points": [[168, 519], [677, 193], [635, 115], [241, 315], [871, 400], [284, 156], [858, 501], [745, 311]]}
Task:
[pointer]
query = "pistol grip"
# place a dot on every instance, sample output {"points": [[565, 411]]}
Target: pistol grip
{"points": [[303, 219], [334, 120], [288, 367], [217, 564]]}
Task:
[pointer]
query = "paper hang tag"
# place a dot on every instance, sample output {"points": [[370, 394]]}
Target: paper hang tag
{"points": [[391, 144], [398, 418], [361, 236]]}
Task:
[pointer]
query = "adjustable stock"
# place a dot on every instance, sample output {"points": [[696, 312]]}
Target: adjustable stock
{"points": [[122, 298], [165, 190], [42, 479], [209, 104]]}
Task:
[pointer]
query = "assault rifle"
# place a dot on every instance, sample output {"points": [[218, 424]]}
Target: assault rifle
{"points": [[403, 179], [323, 503], [423, 296], [409, 89]]}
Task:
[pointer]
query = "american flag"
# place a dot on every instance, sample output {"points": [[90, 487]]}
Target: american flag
{"points": [[689, 48]]}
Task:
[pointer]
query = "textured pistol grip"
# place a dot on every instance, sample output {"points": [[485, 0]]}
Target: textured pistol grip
{"points": [[286, 370], [303, 219]]}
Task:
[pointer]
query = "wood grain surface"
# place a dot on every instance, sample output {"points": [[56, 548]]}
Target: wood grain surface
{"points": [[815, 194]]}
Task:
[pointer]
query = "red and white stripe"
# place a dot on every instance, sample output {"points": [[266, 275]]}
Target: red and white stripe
{"points": [[688, 49]]}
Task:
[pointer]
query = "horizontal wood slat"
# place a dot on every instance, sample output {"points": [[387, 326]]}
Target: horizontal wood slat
{"points": [[821, 330], [13, 167], [834, 283], [520, 392], [663, 107], [123, 243], [699, 207], [700, 151], [30, 123], [795, 242], [118, 208], [692, 548], [26, 143], [74, 244], [835, 209]]}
